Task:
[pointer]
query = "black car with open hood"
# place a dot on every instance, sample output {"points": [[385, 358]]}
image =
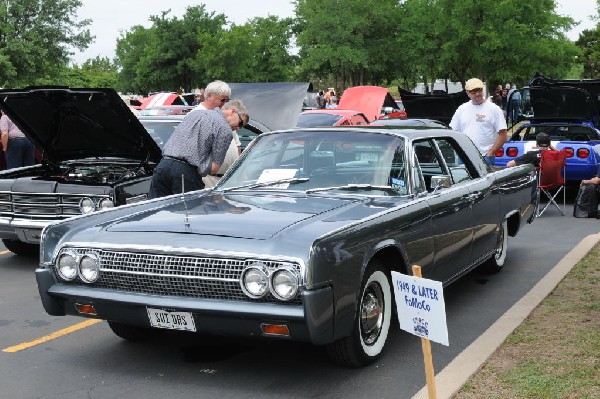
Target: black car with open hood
{"points": [[95, 155], [439, 107], [575, 100]]}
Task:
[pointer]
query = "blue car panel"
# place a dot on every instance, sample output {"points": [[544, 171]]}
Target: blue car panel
{"points": [[582, 142]]}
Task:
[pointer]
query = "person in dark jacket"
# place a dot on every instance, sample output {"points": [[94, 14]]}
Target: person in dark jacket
{"points": [[542, 141]]}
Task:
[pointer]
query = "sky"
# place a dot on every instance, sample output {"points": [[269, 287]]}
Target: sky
{"points": [[110, 17]]}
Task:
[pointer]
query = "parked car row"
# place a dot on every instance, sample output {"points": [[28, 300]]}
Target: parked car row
{"points": [[296, 242]]}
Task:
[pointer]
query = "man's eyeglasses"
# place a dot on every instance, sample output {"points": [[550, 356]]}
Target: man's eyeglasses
{"points": [[477, 90], [224, 100], [241, 123]]}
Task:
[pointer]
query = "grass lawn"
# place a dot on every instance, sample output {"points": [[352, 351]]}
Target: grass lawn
{"points": [[555, 353]]}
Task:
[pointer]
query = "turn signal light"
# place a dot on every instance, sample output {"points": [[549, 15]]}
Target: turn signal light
{"points": [[275, 329], [85, 309]]}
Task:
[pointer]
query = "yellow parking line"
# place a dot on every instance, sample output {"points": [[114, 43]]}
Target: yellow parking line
{"points": [[54, 335]]}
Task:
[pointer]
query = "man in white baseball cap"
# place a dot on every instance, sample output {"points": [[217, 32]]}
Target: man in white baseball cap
{"points": [[481, 120]]}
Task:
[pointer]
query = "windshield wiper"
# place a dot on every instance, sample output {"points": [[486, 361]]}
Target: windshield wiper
{"points": [[269, 183], [352, 187]]}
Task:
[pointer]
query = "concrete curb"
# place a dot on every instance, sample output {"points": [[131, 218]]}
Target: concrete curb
{"points": [[451, 379]]}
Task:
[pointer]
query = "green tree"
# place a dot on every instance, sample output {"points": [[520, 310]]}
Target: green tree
{"points": [[589, 43], [506, 41], [346, 40], [163, 57], [35, 39], [95, 72]]}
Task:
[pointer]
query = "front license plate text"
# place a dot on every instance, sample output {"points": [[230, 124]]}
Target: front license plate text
{"points": [[171, 320]]}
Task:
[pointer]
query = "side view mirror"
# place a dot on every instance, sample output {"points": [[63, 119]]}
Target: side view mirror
{"points": [[440, 181]]}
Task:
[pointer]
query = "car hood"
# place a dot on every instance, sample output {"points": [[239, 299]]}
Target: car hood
{"points": [[367, 99], [563, 103], [256, 216], [276, 105], [440, 107], [67, 124]]}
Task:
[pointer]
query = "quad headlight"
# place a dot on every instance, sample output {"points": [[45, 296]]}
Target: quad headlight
{"points": [[87, 205], [72, 264], [255, 281], [89, 268], [105, 203], [283, 281], [67, 265]]}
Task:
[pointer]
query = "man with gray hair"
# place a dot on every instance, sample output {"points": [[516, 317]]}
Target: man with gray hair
{"points": [[216, 94], [196, 148]]}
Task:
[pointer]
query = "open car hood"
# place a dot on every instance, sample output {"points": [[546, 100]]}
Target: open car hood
{"points": [[367, 99], [564, 99], [67, 124], [276, 105], [440, 107]]}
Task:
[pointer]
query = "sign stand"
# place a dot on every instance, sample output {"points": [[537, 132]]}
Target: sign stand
{"points": [[427, 357]]}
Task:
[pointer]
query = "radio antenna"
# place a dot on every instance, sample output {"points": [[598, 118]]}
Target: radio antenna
{"points": [[186, 220]]}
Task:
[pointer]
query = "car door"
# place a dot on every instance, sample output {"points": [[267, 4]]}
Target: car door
{"points": [[451, 215], [484, 202]]}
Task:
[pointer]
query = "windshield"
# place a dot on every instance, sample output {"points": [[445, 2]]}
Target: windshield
{"points": [[370, 162]]}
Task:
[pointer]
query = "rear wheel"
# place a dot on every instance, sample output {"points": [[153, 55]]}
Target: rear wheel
{"points": [[129, 332], [21, 248], [372, 323], [496, 262]]}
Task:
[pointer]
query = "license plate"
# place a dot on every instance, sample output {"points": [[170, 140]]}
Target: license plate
{"points": [[171, 320]]}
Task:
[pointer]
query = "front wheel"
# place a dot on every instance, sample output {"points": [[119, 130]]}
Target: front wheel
{"points": [[496, 262], [372, 323]]}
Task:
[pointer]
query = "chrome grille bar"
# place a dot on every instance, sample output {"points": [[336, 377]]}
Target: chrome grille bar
{"points": [[42, 206]]}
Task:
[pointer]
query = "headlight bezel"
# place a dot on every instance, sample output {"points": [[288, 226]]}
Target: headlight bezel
{"points": [[261, 270], [95, 258], [59, 269], [87, 205], [292, 274], [105, 203]]}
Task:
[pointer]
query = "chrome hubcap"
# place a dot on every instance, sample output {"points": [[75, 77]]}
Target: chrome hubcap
{"points": [[371, 313], [500, 245]]}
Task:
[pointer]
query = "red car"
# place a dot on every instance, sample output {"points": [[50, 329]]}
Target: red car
{"points": [[161, 99], [331, 117], [359, 105]]}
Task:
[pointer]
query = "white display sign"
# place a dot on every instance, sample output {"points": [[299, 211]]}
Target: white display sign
{"points": [[269, 175], [421, 307]]}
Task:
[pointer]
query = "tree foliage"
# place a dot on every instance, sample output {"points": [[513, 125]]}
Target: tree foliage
{"points": [[348, 40], [36, 38], [337, 43]]}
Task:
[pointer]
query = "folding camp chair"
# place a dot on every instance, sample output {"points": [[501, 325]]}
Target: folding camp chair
{"points": [[551, 179]]}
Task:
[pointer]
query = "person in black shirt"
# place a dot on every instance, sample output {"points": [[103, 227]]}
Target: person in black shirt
{"points": [[533, 157]]}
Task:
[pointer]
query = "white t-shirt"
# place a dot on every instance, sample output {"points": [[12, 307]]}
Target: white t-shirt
{"points": [[480, 122]]}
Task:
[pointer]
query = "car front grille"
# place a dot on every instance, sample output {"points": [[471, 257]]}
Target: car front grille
{"points": [[42, 206], [177, 275]]}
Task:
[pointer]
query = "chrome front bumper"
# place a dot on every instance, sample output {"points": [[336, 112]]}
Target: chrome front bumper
{"points": [[25, 230]]}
